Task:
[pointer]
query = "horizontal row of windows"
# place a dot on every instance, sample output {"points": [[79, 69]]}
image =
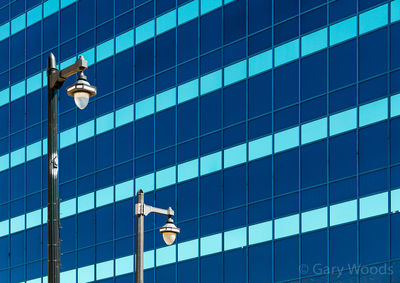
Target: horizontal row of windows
{"points": [[308, 44], [313, 220]]}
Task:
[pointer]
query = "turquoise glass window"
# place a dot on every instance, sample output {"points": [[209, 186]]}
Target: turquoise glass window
{"points": [[314, 42], [287, 52], [209, 5], [124, 190], [235, 72], [33, 218], [4, 228], [44, 215], [104, 196], [166, 255], [104, 269], [395, 200], [211, 163], [67, 63], [124, 41], [188, 170], [188, 12], [145, 32], [124, 265], [260, 148], [211, 244], [68, 276], [17, 223], [394, 105], [374, 205], [144, 108], [314, 131], [68, 208], [18, 24], [67, 137], [235, 155], [124, 116], [17, 90], [105, 50], [343, 212], [4, 31], [34, 15], [34, 150], [145, 183], [261, 232], [343, 122], [18, 157], [34, 83], [104, 123], [86, 273], [235, 239], [286, 139], [50, 7], [166, 22], [4, 96], [314, 220], [85, 202], [65, 3], [373, 112], [166, 177], [286, 226], [343, 31], [166, 99], [260, 63], [211, 82], [188, 91], [188, 250], [44, 146], [374, 19], [148, 259], [395, 11], [89, 56], [85, 130]]}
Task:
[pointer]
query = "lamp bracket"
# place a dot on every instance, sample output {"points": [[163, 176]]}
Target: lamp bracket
{"points": [[56, 78], [144, 210]]}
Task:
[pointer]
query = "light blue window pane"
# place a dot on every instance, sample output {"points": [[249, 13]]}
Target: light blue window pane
{"points": [[5, 31], [314, 131], [286, 226], [166, 99], [314, 42], [34, 218], [4, 228], [188, 170], [188, 12], [89, 56], [188, 91], [228, 1], [124, 190], [144, 108], [260, 63], [148, 257], [343, 122], [211, 163], [124, 41], [145, 183], [261, 232], [209, 5], [18, 24], [34, 15], [34, 150], [50, 7], [4, 96], [374, 19], [18, 157], [17, 223], [314, 219], [124, 265], [343, 31], [105, 50], [188, 250], [235, 155], [67, 137], [38, 280], [166, 177], [104, 123], [65, 3], [166, 255], [394, 105], [86, 274], [124, 116], [44, 146], [235, 72], [105, 270], [68, 276], [145, 32], [44, 215], [260, 148], [68, 208], [211, 82], [211, 244], [395, 200], [374, 205], [343, 212], [67, 63], [373, 112], [44, 76], [17, 90], [86, 130], [166, 22], [86, 202], [287, 52], [235, 239], [34, 83], [105, 196], [395, 11], [286, 139]]}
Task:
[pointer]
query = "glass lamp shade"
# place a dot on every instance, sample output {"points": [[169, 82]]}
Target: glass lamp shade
{"points": [[81, 99], [169, 237]]}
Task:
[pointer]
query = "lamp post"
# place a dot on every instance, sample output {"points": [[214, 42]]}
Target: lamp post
{"points": [[168, 231], [81, 91]]}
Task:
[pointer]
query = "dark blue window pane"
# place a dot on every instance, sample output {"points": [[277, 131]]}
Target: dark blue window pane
{"points": [[342, 61]]}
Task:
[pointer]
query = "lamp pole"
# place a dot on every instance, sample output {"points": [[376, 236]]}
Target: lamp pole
{"points": [[169, 230]]}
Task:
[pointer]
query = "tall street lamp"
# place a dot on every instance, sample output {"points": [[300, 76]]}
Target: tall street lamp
{"points": [[168, 231], [81, 90]]}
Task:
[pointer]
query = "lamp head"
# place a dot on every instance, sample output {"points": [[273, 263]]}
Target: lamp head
{"points": [[169, 232], [81, 91]]}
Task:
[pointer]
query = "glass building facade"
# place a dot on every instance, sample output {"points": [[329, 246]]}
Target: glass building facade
{"points": [[271, 127]]}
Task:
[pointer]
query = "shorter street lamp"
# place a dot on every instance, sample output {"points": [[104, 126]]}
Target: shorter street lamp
{"points": [[168, 231]]}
